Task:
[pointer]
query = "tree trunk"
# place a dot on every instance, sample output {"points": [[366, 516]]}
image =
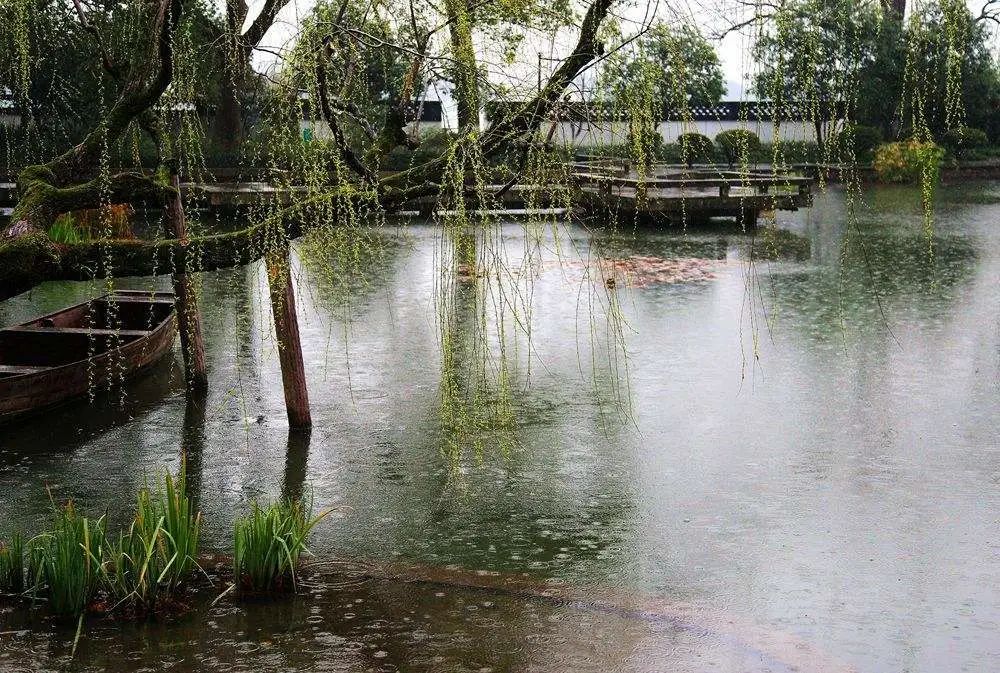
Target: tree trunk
{"points": [[227, 125], [465, 68]]}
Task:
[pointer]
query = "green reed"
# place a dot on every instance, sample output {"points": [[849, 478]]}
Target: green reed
{"points": [[268, 543], [158, 552], [65, 565], [12, 565]]}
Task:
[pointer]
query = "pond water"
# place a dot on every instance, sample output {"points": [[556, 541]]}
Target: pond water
{"points": [[796, 467]]}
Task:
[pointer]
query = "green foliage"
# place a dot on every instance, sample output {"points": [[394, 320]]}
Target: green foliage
{"points": [[65, 89], [901, 77], [951, 76], [738, 145], [959, 141], [855, 142], [911, 69], [432, 144], [695, 148], [65, 564], [158, 551], [64, 230], [12, 565], [909, 161], [809, 54], [268, 543], [678, 65], [364, 73]]}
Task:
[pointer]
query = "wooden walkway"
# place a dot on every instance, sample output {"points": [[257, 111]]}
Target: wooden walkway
{"points": [[607, 188], [680, 195]]}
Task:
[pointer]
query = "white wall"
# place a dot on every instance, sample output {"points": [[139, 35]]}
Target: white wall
{"points": [[591, 134], [594, 134], [321, 130]]}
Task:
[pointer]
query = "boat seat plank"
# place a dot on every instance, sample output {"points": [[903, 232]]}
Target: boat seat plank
{"points": [[143, 293], [21, 369], [136, 299], [93, 331]]}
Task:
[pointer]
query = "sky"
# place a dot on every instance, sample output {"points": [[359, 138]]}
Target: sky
{"points": [[733, 50]]}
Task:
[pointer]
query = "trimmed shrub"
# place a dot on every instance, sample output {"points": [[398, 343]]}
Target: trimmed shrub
{"points": [[695, 148], [738, 144], [908, 161], [855, 141], [645, 145], [960, 140]]}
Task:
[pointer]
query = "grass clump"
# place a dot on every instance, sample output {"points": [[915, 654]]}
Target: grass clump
{"points": [[64, 230], [75, 566], [268, 543], [153, 557], [65, 565], [12, 565]]}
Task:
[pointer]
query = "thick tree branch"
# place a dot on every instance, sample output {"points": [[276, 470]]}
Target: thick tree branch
{"points": [[512, 129], [31, 257], [343, 147], [255, 33], [139, 93]]}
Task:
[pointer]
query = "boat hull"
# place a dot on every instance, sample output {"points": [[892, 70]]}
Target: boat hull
{"points": [[28, 393]]}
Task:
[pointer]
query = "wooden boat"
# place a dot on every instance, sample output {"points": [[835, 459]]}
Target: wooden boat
{"points": [[91, 346]]}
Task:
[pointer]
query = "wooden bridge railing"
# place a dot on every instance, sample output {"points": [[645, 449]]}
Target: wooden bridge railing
{"points": [[760, 183]]}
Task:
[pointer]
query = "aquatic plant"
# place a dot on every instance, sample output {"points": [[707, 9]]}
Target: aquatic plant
{"points": [[12, 565], [268, 543], [65, 564], [63, 230], [158, 552]]}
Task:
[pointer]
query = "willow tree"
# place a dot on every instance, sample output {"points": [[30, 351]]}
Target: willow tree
{"points": [[80, 178]]}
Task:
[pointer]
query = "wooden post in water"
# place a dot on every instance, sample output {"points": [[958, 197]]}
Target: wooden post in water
{"points": [[286, 328], [188, 317], [747, 218]]}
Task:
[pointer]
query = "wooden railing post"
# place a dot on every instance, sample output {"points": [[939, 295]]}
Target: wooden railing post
{"points": [[188, 317], [286, 329]]}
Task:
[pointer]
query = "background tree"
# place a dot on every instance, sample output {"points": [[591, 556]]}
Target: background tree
{"points": [[680, 66], [663, 74], [810, 55], [934, 68], [951, 78]]}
